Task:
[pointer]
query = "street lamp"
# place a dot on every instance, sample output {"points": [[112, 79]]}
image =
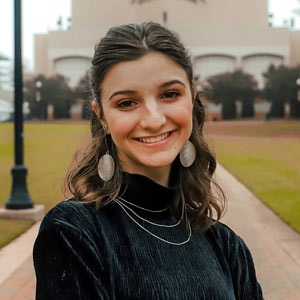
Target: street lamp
{"points": [[298, 91], [38, 98], [38, 85], [19, 197]]}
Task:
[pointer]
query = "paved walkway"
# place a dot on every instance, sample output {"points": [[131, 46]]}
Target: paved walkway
{"points": [[274, 246]]}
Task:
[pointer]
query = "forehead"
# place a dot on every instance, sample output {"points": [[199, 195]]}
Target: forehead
{"points": [[150, 70]]}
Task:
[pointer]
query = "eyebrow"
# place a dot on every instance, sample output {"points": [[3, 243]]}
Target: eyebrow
{"points": [[132, 92], [172, 82]]}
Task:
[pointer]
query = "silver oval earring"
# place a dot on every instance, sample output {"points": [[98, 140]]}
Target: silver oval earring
{"points": [[106, 164], [187, 154]]}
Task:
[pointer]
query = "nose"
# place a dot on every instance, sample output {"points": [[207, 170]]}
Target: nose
{"points": [[153, 117]]}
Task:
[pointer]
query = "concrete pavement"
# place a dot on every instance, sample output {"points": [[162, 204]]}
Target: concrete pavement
{"points": [[274, 245]]}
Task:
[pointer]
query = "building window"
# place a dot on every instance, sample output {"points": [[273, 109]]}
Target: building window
{"points": [[212, 64], [165, 17], [257, 64]]}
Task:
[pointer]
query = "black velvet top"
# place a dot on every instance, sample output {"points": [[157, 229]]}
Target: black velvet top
{"points": [[81, 253]]}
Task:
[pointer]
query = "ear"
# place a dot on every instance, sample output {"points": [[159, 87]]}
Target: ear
{"points": [[195, 94], [104, 125], [95, 108]]}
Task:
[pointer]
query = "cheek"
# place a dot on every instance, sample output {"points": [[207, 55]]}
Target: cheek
{"points": [[115, 122], [183, 115], [120, 127]]}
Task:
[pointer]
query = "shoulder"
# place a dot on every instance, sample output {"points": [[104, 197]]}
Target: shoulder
{"points": [[226, 240], [235, 256], [68, 214], [221, 231]]}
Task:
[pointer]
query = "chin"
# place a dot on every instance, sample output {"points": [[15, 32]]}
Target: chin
{"points": [[159, 163]]}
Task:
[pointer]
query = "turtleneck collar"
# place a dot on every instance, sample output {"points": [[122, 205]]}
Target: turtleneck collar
{"points": [[144, 192]]}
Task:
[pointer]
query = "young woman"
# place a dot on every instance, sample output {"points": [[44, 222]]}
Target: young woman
{"points": [[143, 222]]}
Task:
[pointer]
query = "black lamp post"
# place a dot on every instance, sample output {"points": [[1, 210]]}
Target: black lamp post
{"points": [[19, 197]]}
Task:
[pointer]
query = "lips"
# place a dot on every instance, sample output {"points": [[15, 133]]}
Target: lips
{"points": [[154, 139]]}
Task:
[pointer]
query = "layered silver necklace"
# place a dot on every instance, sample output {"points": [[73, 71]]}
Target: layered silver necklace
{"points": [[124, 204]]}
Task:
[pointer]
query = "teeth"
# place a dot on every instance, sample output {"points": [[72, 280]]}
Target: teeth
{"points": [[154, 139]]}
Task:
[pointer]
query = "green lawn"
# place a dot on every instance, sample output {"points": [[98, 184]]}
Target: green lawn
{"points": [[48, 152], [267, 129], [270, 167]]}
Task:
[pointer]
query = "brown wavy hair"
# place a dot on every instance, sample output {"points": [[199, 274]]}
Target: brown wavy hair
{"points": [[204, 203]]}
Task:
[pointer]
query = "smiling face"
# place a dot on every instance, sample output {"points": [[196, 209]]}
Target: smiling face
{"points": [[147, 109]]}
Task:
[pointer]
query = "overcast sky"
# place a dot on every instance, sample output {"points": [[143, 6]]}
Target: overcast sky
{"points": [[39, 16]]}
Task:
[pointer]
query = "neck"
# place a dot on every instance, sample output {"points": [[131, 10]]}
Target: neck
{"points": [[159, 174]]}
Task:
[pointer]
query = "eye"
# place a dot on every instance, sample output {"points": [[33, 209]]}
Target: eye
{"points": [[126, 104], [170, 94]]}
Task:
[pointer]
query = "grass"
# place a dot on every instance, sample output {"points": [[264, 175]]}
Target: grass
{"points": [[9, 230], [270, 167], [48, 150], [267, 129]]}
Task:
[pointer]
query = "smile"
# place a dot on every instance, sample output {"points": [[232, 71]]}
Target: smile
{"points": [[155, 138]]}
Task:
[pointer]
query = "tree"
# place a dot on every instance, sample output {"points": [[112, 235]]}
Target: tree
{"points": [[281, 88], [297, 10], [54, 91], [37, 104], [1, 75], [227, 88], [83, 91], [60, 95]]}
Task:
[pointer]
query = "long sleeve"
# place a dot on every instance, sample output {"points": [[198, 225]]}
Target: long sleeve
{"points": [[236, 260], [67, 261], [243, 273], [67, 267]]}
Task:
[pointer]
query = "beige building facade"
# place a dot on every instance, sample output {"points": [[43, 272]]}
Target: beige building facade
{"points": [[221, 35]]}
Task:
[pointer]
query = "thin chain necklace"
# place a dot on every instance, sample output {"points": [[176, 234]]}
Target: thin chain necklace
{"points": [[145, 209], [124, 206], [155, 211]]}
